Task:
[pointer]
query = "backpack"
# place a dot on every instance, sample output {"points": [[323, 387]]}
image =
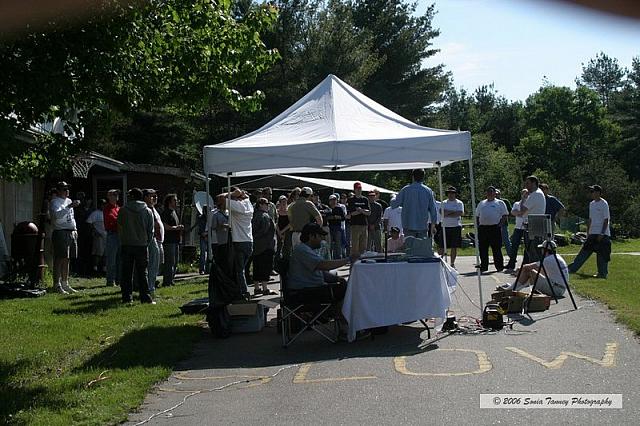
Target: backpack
{"points": [[219, 321]]}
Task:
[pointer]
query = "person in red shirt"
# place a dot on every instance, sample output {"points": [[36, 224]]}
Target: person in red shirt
{"points": [[112, 249]]}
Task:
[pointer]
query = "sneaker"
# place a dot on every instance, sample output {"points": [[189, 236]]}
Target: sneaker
{"points": [[505, 287], [66, 287], [58, 289], [149, 302], [508, 270], [268, 292]]}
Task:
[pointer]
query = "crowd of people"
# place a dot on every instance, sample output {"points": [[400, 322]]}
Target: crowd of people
{"points": [[244, 232], [128, 243]]}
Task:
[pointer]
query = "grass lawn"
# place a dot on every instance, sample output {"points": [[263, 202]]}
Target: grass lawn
{"points": [[619, 291], [87, 358]]}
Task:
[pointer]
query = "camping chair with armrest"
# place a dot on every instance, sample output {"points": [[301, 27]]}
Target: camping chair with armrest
{"points": [[299, 313]]}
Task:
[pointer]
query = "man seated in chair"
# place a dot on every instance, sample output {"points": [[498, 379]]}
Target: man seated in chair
{"points": [[309, 274], [553, 272]]}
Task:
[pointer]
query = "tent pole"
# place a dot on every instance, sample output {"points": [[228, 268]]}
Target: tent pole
{"points": [[475, 226], [444, 234], [209, 233], [229, 199]]}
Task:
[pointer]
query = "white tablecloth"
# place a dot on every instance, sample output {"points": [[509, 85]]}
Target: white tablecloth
{"points": [[382, 294]]}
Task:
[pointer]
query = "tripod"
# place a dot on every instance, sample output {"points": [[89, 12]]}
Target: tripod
{"points": [[525, 306]]}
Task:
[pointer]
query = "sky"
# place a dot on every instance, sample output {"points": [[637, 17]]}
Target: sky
{"points": [[516, 44]]}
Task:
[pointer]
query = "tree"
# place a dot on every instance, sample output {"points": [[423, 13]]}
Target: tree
{"points": [[604, 75], [625, 110], [170, 53], [404, 42]]}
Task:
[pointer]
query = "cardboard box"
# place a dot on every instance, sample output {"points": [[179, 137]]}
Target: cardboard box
{"points": [[246, 317], [515, 299]]}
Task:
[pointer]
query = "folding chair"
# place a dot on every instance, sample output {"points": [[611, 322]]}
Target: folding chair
{"points": [[299, 314]]}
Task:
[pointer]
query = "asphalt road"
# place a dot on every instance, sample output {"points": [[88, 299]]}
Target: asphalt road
{"points": [[402, 378]]}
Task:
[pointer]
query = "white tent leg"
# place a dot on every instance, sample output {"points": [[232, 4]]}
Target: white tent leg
{"points": [[229, 198], [444, 234], [475, 225]]}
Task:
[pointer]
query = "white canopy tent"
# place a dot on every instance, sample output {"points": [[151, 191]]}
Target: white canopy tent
{"points": [[335, 127]]}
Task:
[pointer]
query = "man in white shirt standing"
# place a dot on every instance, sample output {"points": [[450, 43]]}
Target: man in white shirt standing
{"points": [[490, 215], [64, 237], [534, 204], [392, 218], [518, 231], [240, 215], [452, 222], [599, 235]]}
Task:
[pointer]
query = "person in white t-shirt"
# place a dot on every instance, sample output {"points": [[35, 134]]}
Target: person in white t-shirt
{"points": [[599, 235], [535, 203], [392, 218], [518, 231], [240, 215], [490, 214], [64, 237], [556, 271], [452, 222]]}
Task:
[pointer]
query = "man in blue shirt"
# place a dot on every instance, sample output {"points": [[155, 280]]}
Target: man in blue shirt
{"points": [[418, 206], [554, 207]]}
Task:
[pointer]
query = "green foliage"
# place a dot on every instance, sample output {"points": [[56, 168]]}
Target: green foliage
{"points": [[604, 75], [187, 54]]}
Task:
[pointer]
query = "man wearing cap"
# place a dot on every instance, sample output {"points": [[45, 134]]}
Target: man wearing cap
{"points": [[309, 272], [418, 207], [135, 228], [357, 212], [375, 223], [557, 275], [599, 235], [490, 214], [64, 237], [301, 212], [156, 253], [112, 249], [452, 222]]}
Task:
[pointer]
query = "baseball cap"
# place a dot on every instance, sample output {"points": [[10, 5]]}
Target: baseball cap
{"points": [[357, 185], [62, 185], [451, 189], [372, 194], [595, 188], [333, 197], [312, 229], [306, 191], [491, 188], [549, 245], [282, 197]]}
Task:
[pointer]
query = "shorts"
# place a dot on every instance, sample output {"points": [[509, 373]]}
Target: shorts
{"points": [[453, 234], [65, 244]]}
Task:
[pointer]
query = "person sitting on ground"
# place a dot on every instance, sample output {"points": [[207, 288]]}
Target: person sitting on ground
{"points": [[557, 275], [395, 242], [308, 272]]}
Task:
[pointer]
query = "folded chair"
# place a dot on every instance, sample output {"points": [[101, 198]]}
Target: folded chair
{"points": [[300, 313]]}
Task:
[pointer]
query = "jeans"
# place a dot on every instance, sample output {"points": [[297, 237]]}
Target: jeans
{"points": [[112, 253], [170, 263], [516, 238], [154, 264], [204, 255], [505, 238], [490, 236], [337, 245], [135, 257], [602, 258], [241, 254]]}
